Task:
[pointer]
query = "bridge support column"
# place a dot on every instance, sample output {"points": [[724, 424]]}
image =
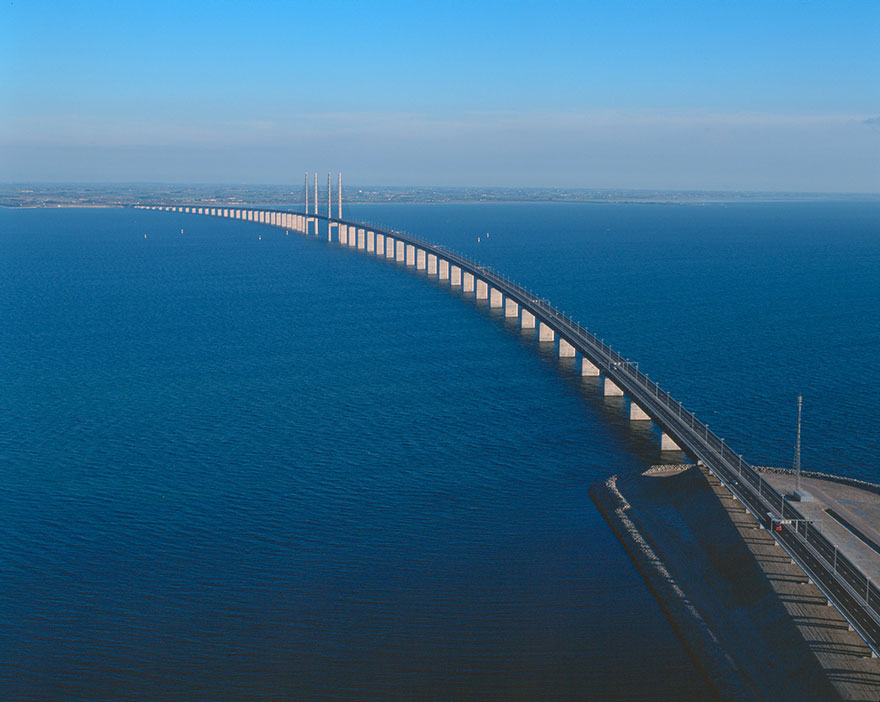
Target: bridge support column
{"points": [[495, 298], [455, 276], [343, 234], [611, 389], [527, 321], [545, 332], [637, 414], [390, 245], [421, 259], [467, 282], [588, 368], [401, 251], [330, 231], [443, 269], [511, 309], [410, 255], [667, 443], [371, 242], [482, 289], [432, 264], [362, 242], [380, 244], [566, 350], [352, 237]]}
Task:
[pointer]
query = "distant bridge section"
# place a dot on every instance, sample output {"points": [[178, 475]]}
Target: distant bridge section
{"points": [[842, 583]]}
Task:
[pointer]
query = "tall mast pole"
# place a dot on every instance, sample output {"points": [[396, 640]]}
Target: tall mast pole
{"points": [[339, 194], [329, 197], [307, 192], [797, 448], [316, 192]]}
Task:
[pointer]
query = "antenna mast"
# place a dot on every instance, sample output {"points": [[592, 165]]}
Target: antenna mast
{"points": [[797, 448]]}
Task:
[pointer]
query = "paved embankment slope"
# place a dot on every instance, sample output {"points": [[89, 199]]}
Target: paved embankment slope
{"points": [[751, 620]]}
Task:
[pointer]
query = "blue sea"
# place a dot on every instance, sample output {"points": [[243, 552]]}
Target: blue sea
{"points": [[244, 465]]}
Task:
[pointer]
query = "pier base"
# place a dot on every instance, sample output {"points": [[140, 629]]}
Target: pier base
{"points": [[467, 282], [455, 276], [545, 332], [495, 298], [611, 389], [432, 264], [527, 321], [482, 289], [443, 269], [566, 350], [667, 443], [511, 309], [421, 259], [588, 368], [637, 414]]}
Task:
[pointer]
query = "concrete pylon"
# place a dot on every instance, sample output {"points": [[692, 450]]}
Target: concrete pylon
{"points": [[637, 414], [421, 259], [455, 276], [495, 298], [443, 269], [545, 332], [410, 255], [380, 244], [390, 246], [667, 443], [467, 282], [371, 241], [482, 289], [401, 251], [511, 309], [588, 368], [527, 321], [432, 264], [566, 350], [611, 389]]}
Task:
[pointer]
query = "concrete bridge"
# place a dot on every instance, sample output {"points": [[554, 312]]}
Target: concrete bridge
{"points": [[842, 583]]}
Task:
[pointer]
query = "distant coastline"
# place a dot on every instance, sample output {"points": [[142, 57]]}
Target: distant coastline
{"points": [[116, 194]]}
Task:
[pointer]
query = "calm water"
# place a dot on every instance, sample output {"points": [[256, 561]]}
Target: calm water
{"points": [[243, 469]]}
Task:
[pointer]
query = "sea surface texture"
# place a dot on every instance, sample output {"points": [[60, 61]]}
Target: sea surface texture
{"points": [[243, 465]]}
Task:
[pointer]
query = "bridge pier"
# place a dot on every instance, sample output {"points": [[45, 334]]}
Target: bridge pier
{"points": [[410, 255], [421, 259], [371, 242], [637, 414], [361, 241], [511, 309], [342, 234], [611, 389], [545, 332], [443, 269], [390, 245], [432, 264], [566, 350], [401, 251], [528, 320], [667, 443], [455, 276], [467, 282], [495, 298], [588, 368], [482, 289], [380, 244]]}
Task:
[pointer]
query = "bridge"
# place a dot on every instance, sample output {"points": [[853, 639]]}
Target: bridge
{"points": [[844, 586]]}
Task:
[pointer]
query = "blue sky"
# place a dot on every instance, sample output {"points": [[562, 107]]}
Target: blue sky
{"points": [[703, 95]]}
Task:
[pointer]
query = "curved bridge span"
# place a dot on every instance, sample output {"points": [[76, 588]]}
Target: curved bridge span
{"points": [[844, 586]]}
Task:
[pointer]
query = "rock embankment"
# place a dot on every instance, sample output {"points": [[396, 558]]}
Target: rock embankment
{"points": [[749, 618]]}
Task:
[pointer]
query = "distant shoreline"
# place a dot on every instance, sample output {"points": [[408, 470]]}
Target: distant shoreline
{"points": [[16, 195]]}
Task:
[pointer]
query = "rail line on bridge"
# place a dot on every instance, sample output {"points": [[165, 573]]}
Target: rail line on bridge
{"points": [[843, 584]]}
